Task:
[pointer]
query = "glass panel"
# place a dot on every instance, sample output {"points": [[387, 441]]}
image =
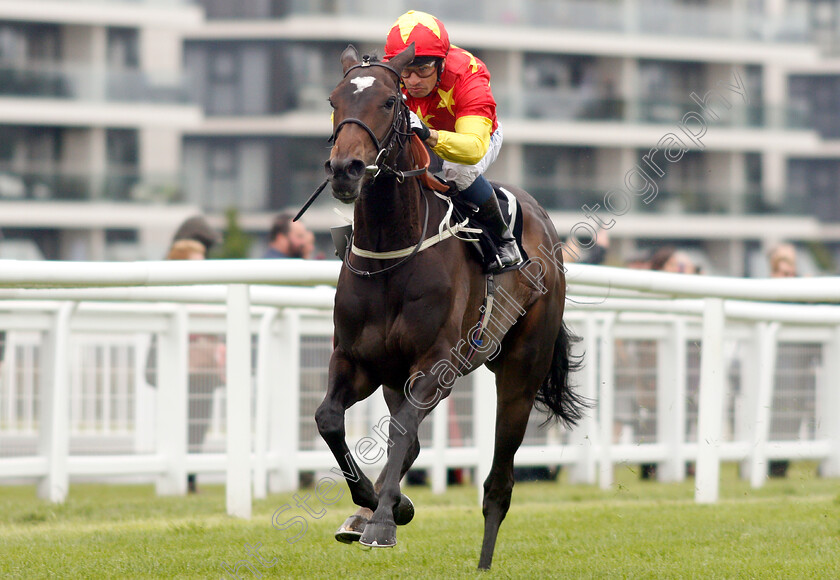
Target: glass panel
{"points": [[123, 48]]}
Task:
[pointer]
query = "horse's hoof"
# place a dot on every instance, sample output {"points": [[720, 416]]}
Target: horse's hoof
{"points": [[404, 512], [351, 530], [379, 535]]}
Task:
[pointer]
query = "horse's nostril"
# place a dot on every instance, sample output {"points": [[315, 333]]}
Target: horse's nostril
{"points": [[348, 168], [356, 169]]}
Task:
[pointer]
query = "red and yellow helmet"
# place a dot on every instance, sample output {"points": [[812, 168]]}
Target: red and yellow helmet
{"points": [[424, 30]]}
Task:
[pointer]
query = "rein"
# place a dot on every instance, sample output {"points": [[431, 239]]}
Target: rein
{"points": [[384, 151], [392, 137], [414, 252]]}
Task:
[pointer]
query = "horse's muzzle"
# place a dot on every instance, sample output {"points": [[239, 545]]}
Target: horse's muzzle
{"points": [[345, 177]]}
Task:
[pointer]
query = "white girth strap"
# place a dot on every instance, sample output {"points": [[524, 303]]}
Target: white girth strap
{"points": [[445, 231]]}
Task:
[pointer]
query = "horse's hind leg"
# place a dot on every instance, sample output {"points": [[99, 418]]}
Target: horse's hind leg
{"points": [[511, 420], [519, 373]]}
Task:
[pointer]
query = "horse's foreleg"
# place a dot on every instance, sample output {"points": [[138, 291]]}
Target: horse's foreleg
{"points": [[347, 385], [404, 511], [381, 530], [352, 528]]}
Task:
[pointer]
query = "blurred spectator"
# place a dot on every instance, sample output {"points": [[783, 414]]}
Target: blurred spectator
{"points": [[287, 238], [670, 259], [640, 261], [308, 250], [597, 254], [207, 365], [187, 250], [782, 261], [667, 259], [196, 228]]}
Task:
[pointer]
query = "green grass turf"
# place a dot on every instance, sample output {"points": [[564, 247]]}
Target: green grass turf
{"points": [[639, 529]]}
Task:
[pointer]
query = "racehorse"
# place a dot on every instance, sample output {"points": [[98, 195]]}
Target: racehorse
{"points": [[416, 319]]}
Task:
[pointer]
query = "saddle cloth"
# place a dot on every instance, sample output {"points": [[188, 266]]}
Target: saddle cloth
{"points": [[485, 248]]}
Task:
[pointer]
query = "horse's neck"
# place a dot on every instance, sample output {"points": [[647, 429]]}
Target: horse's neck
{"points": [[389, 216]]}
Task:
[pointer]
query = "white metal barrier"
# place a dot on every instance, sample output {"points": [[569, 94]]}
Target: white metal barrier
{"points": [[669, 418]]}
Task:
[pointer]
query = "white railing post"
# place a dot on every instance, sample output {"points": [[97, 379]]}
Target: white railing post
{"points": [[671, 401], [766, 341], [265, 352], [828, 405], [54, 440], [746, 400], [440, 442], [144, 398], [172, 407], [9, 363], [709, 423], [606, 402], [284, 427], [484, 417], [238, 344], [585, 435]]}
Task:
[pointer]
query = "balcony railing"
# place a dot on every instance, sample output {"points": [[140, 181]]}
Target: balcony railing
{"points": [[582, 105], [648, 17], [156, 3], [696, 200], [85, 84], [115, 185]]}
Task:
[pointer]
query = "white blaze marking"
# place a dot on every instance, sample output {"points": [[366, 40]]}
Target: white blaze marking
{"points": [[362, 83]]}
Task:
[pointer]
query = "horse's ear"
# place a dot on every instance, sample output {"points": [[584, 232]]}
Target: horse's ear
{"points": [[349, 57], [403, 58]]}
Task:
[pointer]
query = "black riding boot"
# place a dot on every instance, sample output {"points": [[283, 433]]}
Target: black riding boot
{"points": [[490, 215]]}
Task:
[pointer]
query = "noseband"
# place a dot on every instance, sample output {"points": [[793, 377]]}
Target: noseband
{"points": [[394, 135]]}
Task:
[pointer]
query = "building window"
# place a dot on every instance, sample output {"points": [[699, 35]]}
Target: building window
{"points": [[22, 44], [813, 183], [222, 81], [122, 174], [245, 9], [561, 177], [123, 48], [221, 175], [560, 87]]}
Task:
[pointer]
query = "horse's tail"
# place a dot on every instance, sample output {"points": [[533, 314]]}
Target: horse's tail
{"points": [[556, 396]]}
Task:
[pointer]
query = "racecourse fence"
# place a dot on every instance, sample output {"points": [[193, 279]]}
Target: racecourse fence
{"points": [[154, 383]]}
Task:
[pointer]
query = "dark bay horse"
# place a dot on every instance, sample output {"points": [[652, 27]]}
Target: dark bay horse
{"points": [[407, 323]]}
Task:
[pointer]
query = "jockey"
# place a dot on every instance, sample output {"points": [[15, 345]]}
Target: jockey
{"points": [[453, 112]]}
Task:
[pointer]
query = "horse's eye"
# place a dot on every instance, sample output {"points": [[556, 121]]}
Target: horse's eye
{"points": [[389, 104]]}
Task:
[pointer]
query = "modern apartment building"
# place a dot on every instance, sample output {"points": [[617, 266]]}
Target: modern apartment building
{"points": [[586, 91], [93, 102], [708, 124]]}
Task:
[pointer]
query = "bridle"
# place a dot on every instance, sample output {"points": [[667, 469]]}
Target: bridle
{"points": [[396, 135]]}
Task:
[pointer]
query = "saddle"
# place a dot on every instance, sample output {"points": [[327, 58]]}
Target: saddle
{"points": [[485, 248]]}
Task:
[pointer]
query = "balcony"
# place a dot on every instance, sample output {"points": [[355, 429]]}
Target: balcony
{"points": [[643, 17], [699, 199], [86, 84], [114, 186], [584, 105], [173, 14]]}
